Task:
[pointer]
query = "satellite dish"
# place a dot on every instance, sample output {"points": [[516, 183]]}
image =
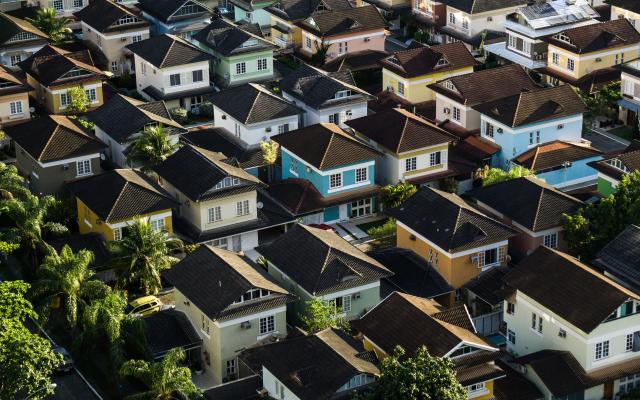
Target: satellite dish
{"points": [[32, 109], [260, 205]]}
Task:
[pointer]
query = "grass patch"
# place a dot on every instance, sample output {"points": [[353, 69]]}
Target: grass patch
{"points": [[368, 225], [625, 132]]}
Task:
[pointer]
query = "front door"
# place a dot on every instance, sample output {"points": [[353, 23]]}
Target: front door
{"points": [[344, 215]]}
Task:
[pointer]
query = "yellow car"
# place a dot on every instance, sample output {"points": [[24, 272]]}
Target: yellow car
{"points": [[144, 306]]}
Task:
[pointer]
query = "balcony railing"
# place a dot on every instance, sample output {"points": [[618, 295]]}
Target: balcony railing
{"points": [[488, 324]]}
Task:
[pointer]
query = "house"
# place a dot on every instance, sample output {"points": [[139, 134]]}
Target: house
{"points": [[391, 10], [365, 63], [326, 365], [571, 342], [475, 21], [576, 55], [561, 164], [170, 69], [122, 119], [324, 97], [619, 258], [240, 54], [14, 98], [527, 28], [231, 303], [54, 149], [19, 40], [220, 204], [614, 167], [342, 31], [521, 121], [254, 13], [109, 27], [247, 388], [65, 8], [532, 207], [628, 9], [333, 271], [447, 333], [340, 168], [455, 238], [629, 103], [52, 71], [407, 73], [107, 203], [285, 14], [414, 149], [254, 113], [175, 17]]}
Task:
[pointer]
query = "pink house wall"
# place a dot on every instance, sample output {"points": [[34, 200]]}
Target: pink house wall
{"points": [[355, 45]]}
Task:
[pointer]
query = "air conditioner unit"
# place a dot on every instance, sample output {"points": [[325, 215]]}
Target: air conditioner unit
{"points": [[567, 164], [474, 258], [562, 333], [500, 130], [598, 59], [124, 39], [355, 296], [348, 113], [65, 167], [367, 39], [446, 110], [412, 238], [245, 325]]}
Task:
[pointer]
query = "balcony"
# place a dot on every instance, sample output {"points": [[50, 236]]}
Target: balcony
{"points": [[488, 324], [283, 43]]}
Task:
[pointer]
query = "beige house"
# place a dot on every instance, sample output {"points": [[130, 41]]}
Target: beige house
{"points": [[18, 39], [231, 304], [14, 98], [109, 27]]}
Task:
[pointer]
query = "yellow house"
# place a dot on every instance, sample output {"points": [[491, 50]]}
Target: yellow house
{"points": [[411, 322], [109, 202], [52, 71], [459, 241], [407, 73], [577, 55]]}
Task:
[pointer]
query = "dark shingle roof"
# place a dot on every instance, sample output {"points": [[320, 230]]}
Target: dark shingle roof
{"points": [[446, 220], [212, 279], [528, 201], [424, 60], [554, 154], [331, 263], [12, 82], [168, 51], [630, 158], [631, 5], [534, 106], [11, 26], [165, 9], [558, 370], [296, 10], [356, 61], [480, 6], [621, 257], [122, 117], [92, 241], [344, 21], [400, 131], [313, 367], [488, 285], [325, 146], [54, 137], [121, 194], [251, 103], [220, 140], [241, 389], [605, 35], [205, 169], [169, 329], [226, 38], [486, 85], [566, 287], [49, 64], [411, 322], [101, 15]]}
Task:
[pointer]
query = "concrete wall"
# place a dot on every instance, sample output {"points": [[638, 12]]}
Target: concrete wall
{"points": [[340, 45], [415, 89], [6, 119], [253, 133], [226, 67], [469, 118], [312, 116], [589, 62]]}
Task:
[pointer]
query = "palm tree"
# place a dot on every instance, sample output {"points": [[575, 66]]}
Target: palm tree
{"points": [[141, 255], [151, 148], [165, 379], [54, 26], [394, 195], [102, 322], [11, 183], [67, 277]]}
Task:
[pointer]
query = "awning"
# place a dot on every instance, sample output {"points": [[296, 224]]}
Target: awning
{"points": [[629, 105]]}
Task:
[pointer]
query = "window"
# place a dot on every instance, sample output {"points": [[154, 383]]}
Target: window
{"points": [[513, 41], [136, 38], [65, 99], [262, 64], [570, 64], [628, 345], [267, 324], [452, 18], [511, 336], [335, 181], [205, 324], [465, 23], [401, 88], [16, 59], [488, 258], [342, 303], [476, 387], [219, 243], [555, 58], [628, 383], [530, 138], [620, 58], [99, 38], [283, 128], [293, 166], [117, 234], [308, 42], [511, 308], [174, 80], [342, 47], [231, 367], [334, 118], [242, 208], [129, 19], [361, 175], [187, 9], [602, 350], [456, 114], [489, 130], [197, 76], [114, 66], [435, 158], [78, 3], [143, 68], [91, 94], [360, 208], [410, 164], [15, 107], [241, 68], [215, 214], [57, 5], [226, 182], [157, 225], [537, 137], [83, 167], [551, 240]]}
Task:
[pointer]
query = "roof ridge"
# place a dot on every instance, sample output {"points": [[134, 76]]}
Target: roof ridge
{"points": [[404, 128], [326, 150], [173, 41], [255, 100], [113, 206], [44, 148], [535, 218]]}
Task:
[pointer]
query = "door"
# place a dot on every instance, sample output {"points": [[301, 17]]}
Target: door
{"points": [[236, 242], [608, 390], [343, 212]]}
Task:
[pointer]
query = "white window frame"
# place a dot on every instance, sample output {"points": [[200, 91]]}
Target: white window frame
{"points": [[56, 3], [157, 225], [91, 94], [117, 234], [197, 76], [136, 38], [65, 99], [83, 167], [78, 3], [267, 325], [283, 128], [401, 88], [602, 350], [335, 180], [628, 344], [262, 64], [364, 205], [215, 214], [456, 114], [241, 68], [231, 367], [555, 58], [361, 174], [571, 65], [511, 336], [411, 164], [15, 59], [15, 108], [433, 158], [551, 240], [242, 208], [174, 80]]}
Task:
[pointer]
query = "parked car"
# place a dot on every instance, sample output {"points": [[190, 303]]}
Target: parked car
{"points": [[67, 361], [144, 306]]}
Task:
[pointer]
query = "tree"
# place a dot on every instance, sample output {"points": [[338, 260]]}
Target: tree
{"points": [[394, 195], [320, 56], [320, 314], [489, 176], [27, 360], [165, 379], [151, 148], [269, 155], [595, 225], [385, 233], [67, 279], [78, 100], [141, 255], [601, 104], [11, 183], [54, 26], [419, 377]]}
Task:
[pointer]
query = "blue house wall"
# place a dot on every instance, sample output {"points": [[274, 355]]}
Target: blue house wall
{"points": [[577, 172]]}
